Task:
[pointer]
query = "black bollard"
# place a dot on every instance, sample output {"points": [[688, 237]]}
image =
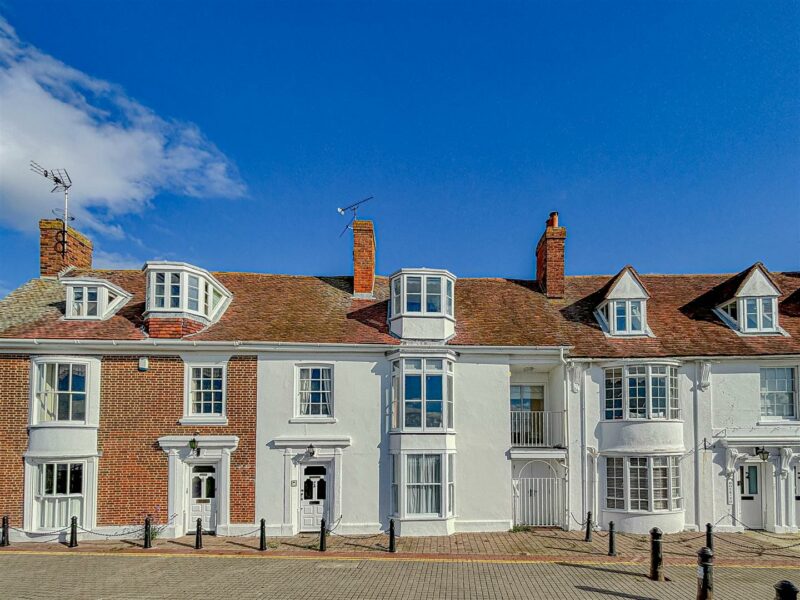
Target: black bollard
{"points": [[612, 540], [262, 543], [392, 542], [588, 537], [73, 532], [5, 541], [705, 574], [323, 543], [710, 536], [656, 555], [148, 533], [785, 590], [198, 536]]}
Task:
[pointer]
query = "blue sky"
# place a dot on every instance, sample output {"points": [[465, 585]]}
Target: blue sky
{"points": [[667, 134]]}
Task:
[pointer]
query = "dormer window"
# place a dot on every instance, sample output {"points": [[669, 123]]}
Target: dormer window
{"points": [[753, 309], [422, 304], [178, 288], [624, 309], [422, 292], [93, 299]]}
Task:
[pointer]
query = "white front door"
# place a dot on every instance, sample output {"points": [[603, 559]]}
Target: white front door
{"points": [[313, 497], [203, 497], [751, 496], [797, 495]]}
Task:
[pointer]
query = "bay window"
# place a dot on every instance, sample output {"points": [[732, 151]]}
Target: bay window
{"points": [[422, 394], [423, 484], [59, 494], [60, 391], [417, 292], [642, 392], [182, 288], [643, 483]]}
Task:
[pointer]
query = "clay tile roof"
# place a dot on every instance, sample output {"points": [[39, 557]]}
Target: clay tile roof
{"points": [[489, 311]]}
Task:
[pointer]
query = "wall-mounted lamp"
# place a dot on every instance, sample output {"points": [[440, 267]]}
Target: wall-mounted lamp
{"points": [[144, 363], [311, 451], [193, 445], [762, 453]]}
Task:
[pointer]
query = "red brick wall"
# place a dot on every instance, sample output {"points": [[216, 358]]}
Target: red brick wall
{"points": [[51, 259], [14, 399], [550, 259], [165, 327], [363, 257], [137, 408]]}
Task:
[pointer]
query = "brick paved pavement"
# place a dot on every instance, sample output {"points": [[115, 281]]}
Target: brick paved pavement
{"points": [[730, 548], [90, 576]]}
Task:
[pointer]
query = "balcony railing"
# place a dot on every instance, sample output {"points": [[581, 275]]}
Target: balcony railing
{"points": [[537, 428]]}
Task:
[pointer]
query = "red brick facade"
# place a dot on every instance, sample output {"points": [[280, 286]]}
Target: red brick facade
{"points": [[550, 258], [159, 327], [14, 400], [52, 259], [139, 407], [363, 258]]}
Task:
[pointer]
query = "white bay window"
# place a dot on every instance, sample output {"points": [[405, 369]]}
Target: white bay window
{"points": [[181, 288], [423, 485], [60, 391], [59, 494], [422, 394], [643, 483], [642, 392]]}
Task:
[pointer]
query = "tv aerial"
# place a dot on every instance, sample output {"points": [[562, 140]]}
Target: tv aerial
{"points": [[353, 208], [62, 183]]}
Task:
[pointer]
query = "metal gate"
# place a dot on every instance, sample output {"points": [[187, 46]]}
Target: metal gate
{"points": [[539, 501]]}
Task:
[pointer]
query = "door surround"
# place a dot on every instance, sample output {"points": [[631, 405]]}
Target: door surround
{"points": [[328, 452], [214, 450]]}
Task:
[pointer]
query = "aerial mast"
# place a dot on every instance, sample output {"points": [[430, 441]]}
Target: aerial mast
{"points": [[62, 182]]}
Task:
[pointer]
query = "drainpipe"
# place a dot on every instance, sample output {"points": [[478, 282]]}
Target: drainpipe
{"points": [[565, 433], [698, 457]]}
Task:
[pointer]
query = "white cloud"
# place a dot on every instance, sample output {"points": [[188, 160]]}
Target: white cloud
{"points": [[119, 153], [115, 260]]}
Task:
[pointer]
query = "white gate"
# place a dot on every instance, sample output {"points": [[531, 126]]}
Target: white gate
{"points": [[539, 501]]}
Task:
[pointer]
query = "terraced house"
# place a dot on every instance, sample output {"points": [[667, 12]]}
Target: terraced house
{"points": [[448, 404]]}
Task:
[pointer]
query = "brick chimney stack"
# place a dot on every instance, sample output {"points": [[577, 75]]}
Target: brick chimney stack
{"points": [[52, 258], [363, 259], [550, 258]]}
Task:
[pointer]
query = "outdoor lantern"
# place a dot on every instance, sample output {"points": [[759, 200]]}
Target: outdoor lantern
{"points": [[762, 453], [193, 444], [311, 451]]}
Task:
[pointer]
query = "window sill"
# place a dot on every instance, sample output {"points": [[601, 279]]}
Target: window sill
{"points": [[768, 423], [203, 420], [422, 431], [320, 420], [645, 512], [641, 420], [67, 424]]}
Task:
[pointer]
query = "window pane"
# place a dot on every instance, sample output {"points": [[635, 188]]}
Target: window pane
{"points": [[660, 483], [767, 319], [396, 305], [674, 399], [636, 315], [450, 403], [433, 294], [78, 407], [751, 313], [622, 316], [615, 484], [61, 478], [76, 479], [614, 393], [414, 294], [637, 392], [778, 392], [49, 479], [449, 297], [658, 392], [639, 484], [78, 378], [194, 292]]}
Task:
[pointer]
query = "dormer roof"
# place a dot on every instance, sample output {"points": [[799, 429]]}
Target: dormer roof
{"points": [[626, 285], [756, 281]]}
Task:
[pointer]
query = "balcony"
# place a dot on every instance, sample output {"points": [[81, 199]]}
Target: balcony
{"points": [[537, 428]]}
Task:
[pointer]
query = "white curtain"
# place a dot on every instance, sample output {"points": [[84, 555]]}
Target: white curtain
{"points": [[424, 475]]}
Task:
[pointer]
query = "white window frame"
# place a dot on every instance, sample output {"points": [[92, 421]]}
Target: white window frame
{"points": [[673, 400], [740, 322], [199, 362], [400, 369], [32, 492], [212, 297], [92, 393], [606, 315], [794, 393], [448, 485], [299, 417], [110, 298], [673, 490], [399, 297]]}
